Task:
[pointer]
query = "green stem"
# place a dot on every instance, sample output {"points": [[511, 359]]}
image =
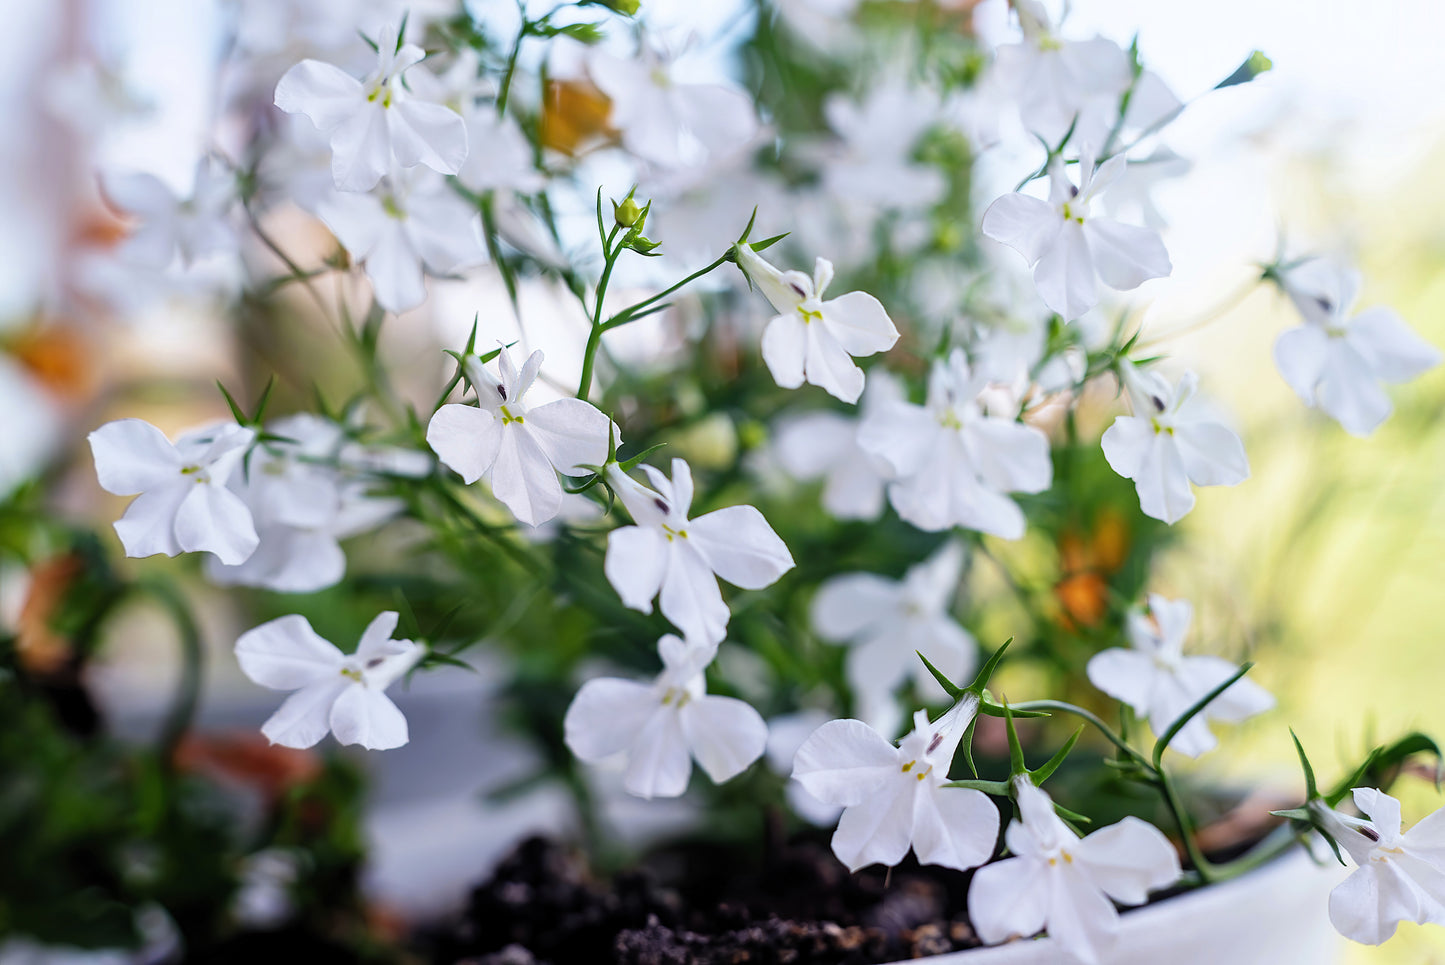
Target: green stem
{"points": [[1091, 718], [183, 708], [627, 314], [506, 87], [594, 337]]}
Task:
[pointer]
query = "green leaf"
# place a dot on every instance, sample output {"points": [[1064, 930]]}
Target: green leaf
{"points": [[949, 687], [1046, 771], [1254, 65], [980, 681], [742, 238], [264, 401], [1311, 790], [236, 410], [768, 242], [1016, 765], [1194, 711], [996, 788], [628, 465]]}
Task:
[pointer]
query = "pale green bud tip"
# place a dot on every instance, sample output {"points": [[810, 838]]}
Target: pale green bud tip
{"points": [[1254, 65], [627, 213], [627, 8]]}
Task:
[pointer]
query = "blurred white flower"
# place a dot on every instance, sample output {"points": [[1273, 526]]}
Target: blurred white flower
{"points": [[1160, 683], [667, 122], [184, 505], [658, 729], [785, 735], [335, 692], [1053, 79], [414, 223], [1068, 885], [887, 623], [679, 560], [812, 340], [951, 463], [519, 449], [263, 900], [878, 137], [1170, 441], [377, 122], [502, 156], [1398, 876], [168, 227], [894, 798], [824, 445], [33, 431], [307, 492], [1071, 250], [1338, 362]]}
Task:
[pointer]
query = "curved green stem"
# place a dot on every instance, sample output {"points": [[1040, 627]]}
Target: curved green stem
{"points": [[183, 707]]}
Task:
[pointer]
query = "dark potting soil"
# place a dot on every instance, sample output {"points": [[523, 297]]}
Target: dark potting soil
{"points": [[701, 904]]}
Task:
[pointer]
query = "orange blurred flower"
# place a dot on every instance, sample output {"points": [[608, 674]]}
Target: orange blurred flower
{"points": [[575, 117], [1086, 563]]}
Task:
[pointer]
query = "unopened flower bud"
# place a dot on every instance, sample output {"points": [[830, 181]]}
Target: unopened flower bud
{"points": [[627, 213]]}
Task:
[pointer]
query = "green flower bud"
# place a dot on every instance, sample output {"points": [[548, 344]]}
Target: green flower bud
{"points": [[627, 213]]}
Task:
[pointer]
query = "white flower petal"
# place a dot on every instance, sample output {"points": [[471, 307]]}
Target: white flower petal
{"points": [[1392, 349], [690, 596], [132, 456], [571, 432], [785, 349], [877, 830], [606, 717], [1027, 225], [324, 93], [1349, 392], [1128, 860], [466, 439], [954, 827], [1081, 918], [845, 762], [523, 479], [854, 604], [635, 564], [1009, 899], [658, 763], [212, 519], [901, 435], [360, 149], [395, 270], [286, 654], [1368, 905], [740, 546], [829, 367], [361, 715], [305, 717], [1212, 454], [1242, 700], [1125, 255], [1009, 456], [1065, 274], [860, 324], [1300, 354], [724, 734], [1127, 676], [429, 134], [149, 523]]}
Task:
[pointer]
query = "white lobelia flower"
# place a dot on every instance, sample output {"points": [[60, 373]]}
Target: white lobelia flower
{"points": [[1071, 249], [335, 692], [658, 729], [307, 491], [377, 122], [1068, 885], [1054, 80], [951, 463], [1161, 683], [1398, 877], [414, 223], [811, 340], [1170, 441], [785, 735], [679, 560], [183, 504], [670, 123], [894, 798], [518, 448], [1338, 362], [824, 445], [878, 137], [168, 227], [886, 621]]}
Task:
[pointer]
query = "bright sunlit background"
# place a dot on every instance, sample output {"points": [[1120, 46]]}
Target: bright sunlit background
{"points": [[1338, 541]]}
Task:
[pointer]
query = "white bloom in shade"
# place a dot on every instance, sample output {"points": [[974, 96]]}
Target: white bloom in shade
{"points": [[1052, 79], [1161, 683], [1398, 877], [1068, 885], [183, 504], [878, 138], [658, 729], [168, 227], [824, 445], [517, 448], [785, 735], [670, 123], [952, 463], [894, 798], [886, 620], [1070, 249], [503, 158], [413, 224], [336, 692], [375, 122], [1170, 441], [811, 340], [679, 560], [1338, 362]]}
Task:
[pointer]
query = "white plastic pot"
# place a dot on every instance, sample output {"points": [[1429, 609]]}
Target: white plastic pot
{"points": [[1276, 915]]}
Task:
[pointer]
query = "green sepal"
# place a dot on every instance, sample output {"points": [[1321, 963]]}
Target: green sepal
{"points": [[632, 463], [1016, 764], [236, 411], [1312, 790], [954, 691], [1046, 770], [996, 788], [1254, 65]]}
